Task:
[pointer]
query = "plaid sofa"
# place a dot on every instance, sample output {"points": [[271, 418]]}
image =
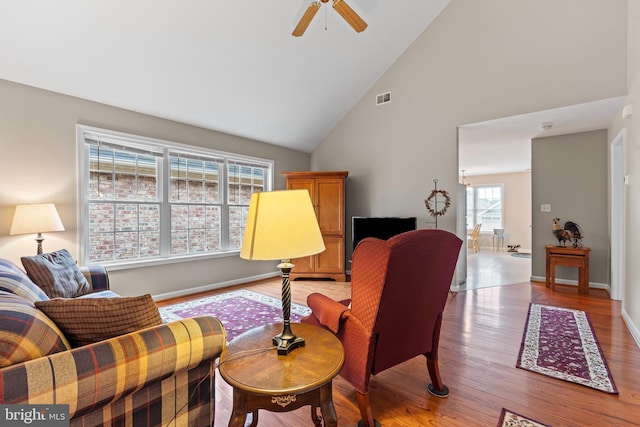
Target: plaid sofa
{"points": [[158, 376]]}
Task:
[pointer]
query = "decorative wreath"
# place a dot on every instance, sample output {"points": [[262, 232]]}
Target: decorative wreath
{"points": [[433, 210]]}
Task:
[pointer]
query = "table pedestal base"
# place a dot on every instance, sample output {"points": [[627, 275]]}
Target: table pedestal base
{"points": [[321, 398]]}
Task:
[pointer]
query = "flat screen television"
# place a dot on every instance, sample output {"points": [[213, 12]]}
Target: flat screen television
{"points": [[380, 227]]}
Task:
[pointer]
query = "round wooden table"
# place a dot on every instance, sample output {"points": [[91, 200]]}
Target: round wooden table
{"points": [[262, 379]]}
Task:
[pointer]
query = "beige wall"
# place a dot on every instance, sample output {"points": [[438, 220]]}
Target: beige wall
{"points": [[569, 172], [488, 60], [633, 40], [38, 146], [477, 61], [516, 208]]}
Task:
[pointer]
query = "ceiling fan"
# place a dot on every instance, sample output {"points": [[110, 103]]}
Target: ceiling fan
{"points": [[340, 6]]}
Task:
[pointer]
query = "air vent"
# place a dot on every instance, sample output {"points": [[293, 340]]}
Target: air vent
{"points": [[383, 98], [546, 126]]}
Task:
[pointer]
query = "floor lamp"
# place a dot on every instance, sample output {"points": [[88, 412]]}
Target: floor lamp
{"points": [[282, 225]]}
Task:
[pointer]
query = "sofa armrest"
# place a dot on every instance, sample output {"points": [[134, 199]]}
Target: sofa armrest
{"points": [[97, 277], [95, 375]]}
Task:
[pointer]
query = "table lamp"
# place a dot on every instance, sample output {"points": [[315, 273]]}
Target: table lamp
{"points": [[36, 218], [282, 225]]}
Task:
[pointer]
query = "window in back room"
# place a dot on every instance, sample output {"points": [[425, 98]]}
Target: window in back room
{"points": [[484, 206]]}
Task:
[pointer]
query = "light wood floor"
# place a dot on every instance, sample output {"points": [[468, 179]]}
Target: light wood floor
{"points": [[480, 340], [488, 268]]}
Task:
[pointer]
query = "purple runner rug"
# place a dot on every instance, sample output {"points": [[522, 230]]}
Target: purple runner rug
{"points": [[238, 311], [559, 342], [511, 419]]}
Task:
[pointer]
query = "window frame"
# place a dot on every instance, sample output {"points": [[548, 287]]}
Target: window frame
{"points": [[472, 219], [163, 148]]}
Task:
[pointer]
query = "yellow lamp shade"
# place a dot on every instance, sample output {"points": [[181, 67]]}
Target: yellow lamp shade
{"points": [[281, 225]]}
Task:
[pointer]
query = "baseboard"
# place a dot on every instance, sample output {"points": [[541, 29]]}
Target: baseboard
{"points": [[593, 285], [633, 329], [214, 286]]}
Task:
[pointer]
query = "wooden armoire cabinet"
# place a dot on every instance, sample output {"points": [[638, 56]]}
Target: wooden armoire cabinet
{"points": [[326, 190]]}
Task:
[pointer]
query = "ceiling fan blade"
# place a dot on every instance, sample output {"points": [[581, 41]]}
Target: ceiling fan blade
{"points": [[349, 15], [306, 19]]}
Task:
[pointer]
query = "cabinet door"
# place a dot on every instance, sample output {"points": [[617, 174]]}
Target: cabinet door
{"points": [[329, 204], [303, 265], [304, 184], [331, 260]]}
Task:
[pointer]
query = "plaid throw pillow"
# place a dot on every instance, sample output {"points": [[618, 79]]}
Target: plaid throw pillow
{"points": [[14, 280], [87, 320], [57, 274], [26, 333]]}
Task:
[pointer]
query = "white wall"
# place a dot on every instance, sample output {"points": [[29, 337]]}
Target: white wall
{"points": [[631, 299], [38, 146], [516, 209], [631, 306]]}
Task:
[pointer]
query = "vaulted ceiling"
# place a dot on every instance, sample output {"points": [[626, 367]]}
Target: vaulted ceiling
{"points": [[231, 66], [234, 67]]}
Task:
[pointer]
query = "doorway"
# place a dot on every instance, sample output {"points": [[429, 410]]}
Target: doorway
{"points": [[501, 203], [489, 268]]}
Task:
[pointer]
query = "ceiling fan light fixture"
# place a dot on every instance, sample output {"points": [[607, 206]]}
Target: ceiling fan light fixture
{"points": [[306, 19], [352, 18]]}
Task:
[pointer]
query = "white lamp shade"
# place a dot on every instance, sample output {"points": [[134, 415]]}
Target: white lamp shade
{"points": [[281, 225], [36, 218]]}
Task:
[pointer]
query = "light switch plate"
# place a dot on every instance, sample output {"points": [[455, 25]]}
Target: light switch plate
{"points": [[545, 208]]}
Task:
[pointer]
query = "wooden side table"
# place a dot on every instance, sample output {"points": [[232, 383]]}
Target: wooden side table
{"points": [[571, 257], [261, 379]]}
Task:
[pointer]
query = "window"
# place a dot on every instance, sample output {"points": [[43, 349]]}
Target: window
{"points": [[147, 199], [484, 206], [195, 204], [244, 180]]}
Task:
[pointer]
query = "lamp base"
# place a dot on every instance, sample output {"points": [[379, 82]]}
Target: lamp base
{"points": [[287, 341], [39, 239]]}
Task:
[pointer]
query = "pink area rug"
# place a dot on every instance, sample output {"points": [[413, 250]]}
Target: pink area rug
{"points": [[238, 311], [511, 419], [560, 343]]}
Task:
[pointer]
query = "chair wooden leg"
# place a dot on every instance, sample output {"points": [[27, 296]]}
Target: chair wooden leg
{"points": [[365, 411], [436, 387]]}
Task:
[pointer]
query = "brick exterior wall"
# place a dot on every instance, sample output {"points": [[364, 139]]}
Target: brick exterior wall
{"points": [[120, 229]]}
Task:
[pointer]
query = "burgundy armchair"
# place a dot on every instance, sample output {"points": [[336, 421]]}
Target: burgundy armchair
{"points": [[399, 288]]}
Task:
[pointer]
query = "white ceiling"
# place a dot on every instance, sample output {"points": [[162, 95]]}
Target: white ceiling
{"points": [[504, 145], [233, 66], [230, 66]]}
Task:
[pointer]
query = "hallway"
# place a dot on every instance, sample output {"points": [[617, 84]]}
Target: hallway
{"points": [[487, 268]]}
